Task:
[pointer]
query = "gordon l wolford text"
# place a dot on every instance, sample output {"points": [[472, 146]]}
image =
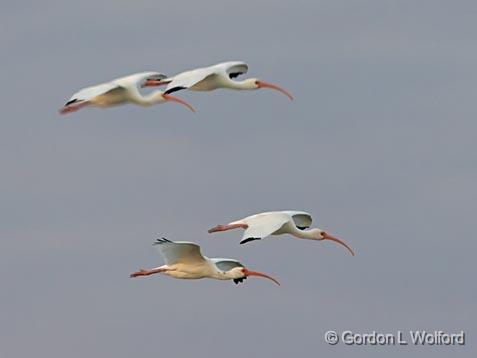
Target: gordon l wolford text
{"points": [[417, 337]]}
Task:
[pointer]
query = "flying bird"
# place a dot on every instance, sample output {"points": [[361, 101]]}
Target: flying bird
{"points": [[218, 76], [184, 260], [293, 223], [122, 90]]}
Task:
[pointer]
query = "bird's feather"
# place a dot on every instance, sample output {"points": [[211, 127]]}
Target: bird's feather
{"points": [[234, 68], [89, 93], [188, 79], [114, 87], [192, 78], [179, 251], [263, 225], [226, 264], [302, 219]]}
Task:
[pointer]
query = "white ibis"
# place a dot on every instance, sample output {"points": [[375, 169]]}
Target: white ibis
{"points": [[293, 223], [218, 76], [184, 260], [120, 91]]}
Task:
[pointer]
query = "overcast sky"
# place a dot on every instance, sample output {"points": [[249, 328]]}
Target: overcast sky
{"points": [[379, 146]]}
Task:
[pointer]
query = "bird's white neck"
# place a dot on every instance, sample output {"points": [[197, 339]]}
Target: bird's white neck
{"points": [[312, 234], [219, 275], [149, 99], [247, 84], [215, 272]]}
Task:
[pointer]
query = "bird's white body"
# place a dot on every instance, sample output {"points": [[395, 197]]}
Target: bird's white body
{"points": [[198, 270], [184, 261], [290, 222], [208, 78], [276, 223], [191, 271], [117, 91], [120, 91], [217, 76]]}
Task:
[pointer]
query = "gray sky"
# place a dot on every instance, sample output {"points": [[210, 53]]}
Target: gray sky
{"points": [[379, 146]]}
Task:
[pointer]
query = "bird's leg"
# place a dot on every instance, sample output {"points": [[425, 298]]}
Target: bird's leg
{"points": [[228, 227], [144, 272]]}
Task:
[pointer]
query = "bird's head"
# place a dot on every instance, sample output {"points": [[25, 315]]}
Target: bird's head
{"points": [[255, 83], [321, 235], [239, 273]]}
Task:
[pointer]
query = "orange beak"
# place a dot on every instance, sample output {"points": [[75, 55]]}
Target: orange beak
{"points": [[154, 83], [170, 98], [261, 84], [332, 238], [258, 274]]}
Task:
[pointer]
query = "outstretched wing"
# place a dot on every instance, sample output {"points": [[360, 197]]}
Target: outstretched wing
{"points": [[234, 68], [191, 78], [88, 93], [179, 251], [117, 85], [225, 265], [302, 219], [188, 79], [263, 225]]}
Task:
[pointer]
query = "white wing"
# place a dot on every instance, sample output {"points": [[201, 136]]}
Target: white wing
{"points": [[302, 219], [225, 265], [88, 93], [263, 225], [118, 84], [233, 68], [190, 78], [179, 251]]}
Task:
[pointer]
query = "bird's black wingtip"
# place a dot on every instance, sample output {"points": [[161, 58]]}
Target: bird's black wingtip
{"points": [[248, 239], [239, 280], [71, 101], [174, 89], [162, 240]]}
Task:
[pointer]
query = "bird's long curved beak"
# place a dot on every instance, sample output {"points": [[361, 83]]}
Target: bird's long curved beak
{"points": [[262, 84], [332, 238], [259, 274], [170, 98]]}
